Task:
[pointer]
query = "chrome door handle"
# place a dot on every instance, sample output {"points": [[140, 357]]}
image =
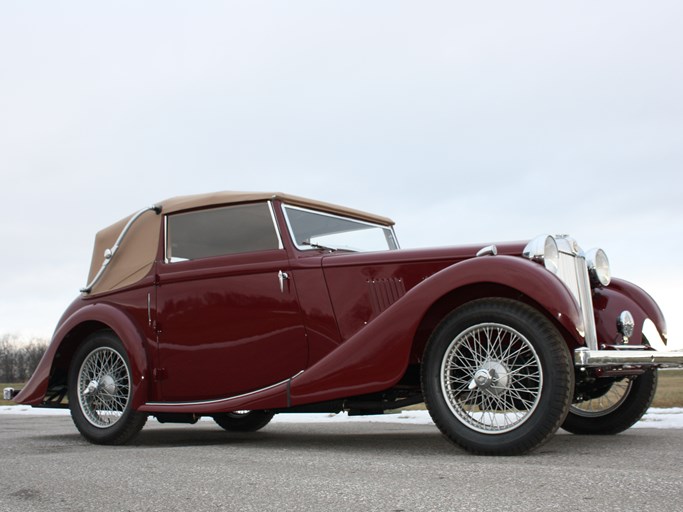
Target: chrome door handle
{"points": [[282, 277]]}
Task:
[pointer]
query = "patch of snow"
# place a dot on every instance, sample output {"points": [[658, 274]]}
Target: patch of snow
{"points": [[32, 411], [653, 418], [661, 418]]}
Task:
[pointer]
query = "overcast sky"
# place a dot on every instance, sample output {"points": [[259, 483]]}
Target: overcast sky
{"points": [[463, 121]]}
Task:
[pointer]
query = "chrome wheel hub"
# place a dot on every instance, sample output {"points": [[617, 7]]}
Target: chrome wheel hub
{"points": [[108, 385], [493, 377], [482, 379], [92, 388]]}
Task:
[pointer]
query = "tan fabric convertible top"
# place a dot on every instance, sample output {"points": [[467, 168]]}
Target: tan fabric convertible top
{"points": [[138, 249]]}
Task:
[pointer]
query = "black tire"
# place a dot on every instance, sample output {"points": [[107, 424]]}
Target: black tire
{"points": [[100, 391], [497, 377], [617, 409], [243, 421]]}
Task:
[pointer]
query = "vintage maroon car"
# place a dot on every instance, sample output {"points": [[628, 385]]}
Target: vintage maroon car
{"points": [[239, 306]]}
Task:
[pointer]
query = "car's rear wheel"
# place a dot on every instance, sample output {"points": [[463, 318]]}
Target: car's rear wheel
{"points": [[497, 377], [615, 408], [243, 421], [100, 391]]}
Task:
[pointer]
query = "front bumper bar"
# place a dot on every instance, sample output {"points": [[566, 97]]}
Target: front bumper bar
{"points": [[584, 357], [9, 393]]}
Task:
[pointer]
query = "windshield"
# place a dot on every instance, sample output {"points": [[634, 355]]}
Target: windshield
{"points": [[317, 230]]}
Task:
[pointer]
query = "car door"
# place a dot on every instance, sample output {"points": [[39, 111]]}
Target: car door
{"points": [[228, 319]]}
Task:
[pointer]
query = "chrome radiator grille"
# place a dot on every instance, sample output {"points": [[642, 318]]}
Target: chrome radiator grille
{"points": [[574, 273]]}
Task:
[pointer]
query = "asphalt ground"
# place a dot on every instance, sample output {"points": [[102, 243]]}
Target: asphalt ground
{"points": [[46, 466]]}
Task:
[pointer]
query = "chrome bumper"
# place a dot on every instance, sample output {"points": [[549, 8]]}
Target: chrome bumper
{"points": [[9, 393], [585, 357]]}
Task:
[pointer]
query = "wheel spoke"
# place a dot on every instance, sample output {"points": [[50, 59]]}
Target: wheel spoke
{"points": [[606, 403], [105, 375], [492, 378]]}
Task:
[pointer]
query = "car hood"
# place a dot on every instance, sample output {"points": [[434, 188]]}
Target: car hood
{"points": [[431, 254]]}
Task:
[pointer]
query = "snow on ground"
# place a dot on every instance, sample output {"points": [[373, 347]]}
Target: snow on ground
{"points": [[654, 418]]}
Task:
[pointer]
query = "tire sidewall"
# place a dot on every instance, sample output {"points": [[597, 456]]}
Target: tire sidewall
{"points": [[249, 422]]}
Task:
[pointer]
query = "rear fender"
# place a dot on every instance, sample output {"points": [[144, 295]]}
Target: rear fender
{"points": [[71, 332], [376, 357]]}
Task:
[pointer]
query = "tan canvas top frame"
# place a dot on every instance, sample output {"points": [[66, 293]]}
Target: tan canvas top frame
{"points": [[138, 249]]}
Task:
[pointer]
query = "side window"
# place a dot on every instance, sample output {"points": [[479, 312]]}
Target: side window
{"points": [[220, 231]]}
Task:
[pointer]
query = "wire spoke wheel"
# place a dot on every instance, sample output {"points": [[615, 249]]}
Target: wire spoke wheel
{"points": [[497, 377], [614, 409], [103, 387], [492, 378], [605, 404], [100, 388]]}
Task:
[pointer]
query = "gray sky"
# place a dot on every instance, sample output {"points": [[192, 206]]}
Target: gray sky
{"points": [[463, 121]]}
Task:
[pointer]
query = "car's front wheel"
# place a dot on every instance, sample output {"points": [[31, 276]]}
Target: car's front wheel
{"points": [[614, 407], [243, 421], [100, 391], [497, 377]]}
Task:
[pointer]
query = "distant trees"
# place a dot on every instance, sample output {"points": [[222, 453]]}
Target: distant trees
{"points": [[18, 359]]}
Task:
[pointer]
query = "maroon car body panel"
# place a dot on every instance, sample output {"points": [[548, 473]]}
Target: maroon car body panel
{"points": [[225, 326]]}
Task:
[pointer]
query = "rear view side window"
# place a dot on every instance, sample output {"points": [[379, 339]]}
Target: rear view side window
{"points": [[220, 231]]}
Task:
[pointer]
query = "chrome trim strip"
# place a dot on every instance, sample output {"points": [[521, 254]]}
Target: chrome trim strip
{"points": [[586, 302], [109, 253], [393, 234], [166, 258], [280, 245], [585, 357], [221, 400]]}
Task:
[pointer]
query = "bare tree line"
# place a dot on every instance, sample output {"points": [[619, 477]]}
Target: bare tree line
{"points": [[19, 359]]}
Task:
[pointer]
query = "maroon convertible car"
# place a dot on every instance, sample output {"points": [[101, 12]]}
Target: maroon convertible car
{"points": [[239, 306]]}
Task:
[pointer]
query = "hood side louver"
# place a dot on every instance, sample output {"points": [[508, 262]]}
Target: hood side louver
{"points": [[384, 292]]}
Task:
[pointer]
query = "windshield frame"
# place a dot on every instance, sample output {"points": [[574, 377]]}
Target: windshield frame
{"points": [[315, 247]]}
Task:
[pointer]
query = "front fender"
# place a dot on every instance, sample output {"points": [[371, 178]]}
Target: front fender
{"points": [[108, 317], [528, 278], [376, 357], [622, 295]]}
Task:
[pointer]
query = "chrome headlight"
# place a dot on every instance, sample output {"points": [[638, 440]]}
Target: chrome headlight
{"points": [[598, 267], [543, 249]]}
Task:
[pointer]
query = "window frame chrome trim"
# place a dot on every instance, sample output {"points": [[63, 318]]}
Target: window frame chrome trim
{"points": [[166, 258], [273, 219], [284, 206]]}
